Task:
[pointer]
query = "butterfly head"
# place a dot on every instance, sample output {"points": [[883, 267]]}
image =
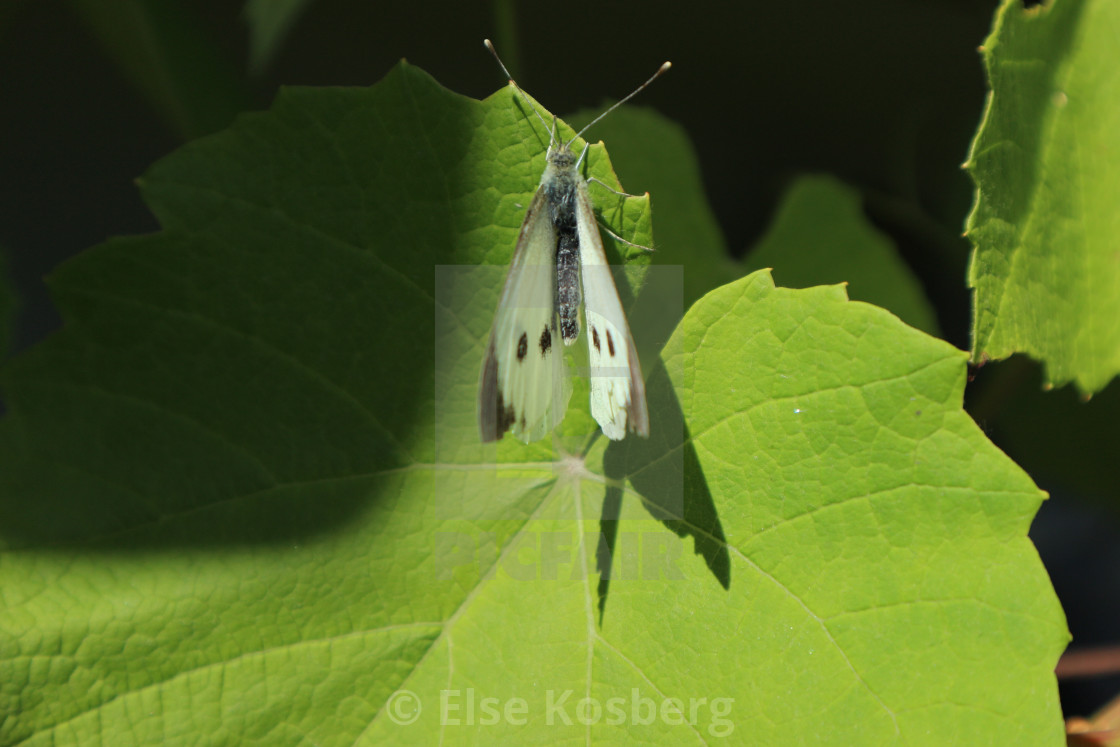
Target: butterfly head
{"points": [[561, 156]]}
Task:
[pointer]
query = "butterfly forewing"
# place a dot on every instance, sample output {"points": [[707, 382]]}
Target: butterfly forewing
{"points": [[524, 388]]}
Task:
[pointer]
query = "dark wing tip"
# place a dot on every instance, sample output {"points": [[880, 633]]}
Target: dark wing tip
{"points": [[492, 424], [637, 414]]}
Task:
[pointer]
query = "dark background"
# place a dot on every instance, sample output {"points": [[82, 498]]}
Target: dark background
{"points": [[885, 94]]}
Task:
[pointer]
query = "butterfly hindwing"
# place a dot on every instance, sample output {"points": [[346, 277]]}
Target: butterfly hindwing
{"points": [[618, 398], [524, 388]]}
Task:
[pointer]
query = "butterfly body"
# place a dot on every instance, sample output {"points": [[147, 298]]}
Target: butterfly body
{"points": [[560, 184]]}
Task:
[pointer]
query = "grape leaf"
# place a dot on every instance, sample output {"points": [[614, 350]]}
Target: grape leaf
{"points": [[1044, 224], [242, 497]]}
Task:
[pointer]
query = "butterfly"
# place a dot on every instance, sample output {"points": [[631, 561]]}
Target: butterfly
{"points": [[558, 265]]}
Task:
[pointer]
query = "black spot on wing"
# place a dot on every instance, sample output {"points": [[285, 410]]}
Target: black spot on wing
{"points": [[546, 341], [522, 346], [595, 338], [610, 343]]}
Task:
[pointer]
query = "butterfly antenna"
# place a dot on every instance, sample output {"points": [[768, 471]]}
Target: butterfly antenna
{"points": [[660, 71], [505, 70]]}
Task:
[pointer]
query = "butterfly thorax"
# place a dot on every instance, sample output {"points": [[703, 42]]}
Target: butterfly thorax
{"points": [[560, 184]]}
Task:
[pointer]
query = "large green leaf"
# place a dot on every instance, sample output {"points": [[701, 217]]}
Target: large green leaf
{"points": [[871, 526], [243, 500], [1045, 226]]}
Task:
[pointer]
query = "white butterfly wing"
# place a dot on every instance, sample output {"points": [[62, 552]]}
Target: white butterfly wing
{"points": [[618, 394], [524, 388]]}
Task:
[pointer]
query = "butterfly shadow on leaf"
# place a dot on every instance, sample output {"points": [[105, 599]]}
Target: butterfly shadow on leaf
{"points": [[664, 470]]}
